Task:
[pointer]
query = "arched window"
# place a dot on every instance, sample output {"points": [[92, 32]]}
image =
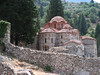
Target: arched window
{"points": [[54, 25]]}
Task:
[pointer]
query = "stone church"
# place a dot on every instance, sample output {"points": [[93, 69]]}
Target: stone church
{"points": [[58, 36]]}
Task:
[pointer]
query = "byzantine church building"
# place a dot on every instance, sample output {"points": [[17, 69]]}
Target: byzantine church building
{"points": [[58, 33]]}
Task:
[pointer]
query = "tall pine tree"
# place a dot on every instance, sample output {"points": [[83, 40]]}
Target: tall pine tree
{"points": [[82, 25], [97, 36], [41, 11], [22, 14], [55, 9]]}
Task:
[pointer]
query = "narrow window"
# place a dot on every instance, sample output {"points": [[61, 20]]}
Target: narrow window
{"points": [[54, 25], [45, 40], [52, 40], [61, 25], [61, 36], [46, 48]]}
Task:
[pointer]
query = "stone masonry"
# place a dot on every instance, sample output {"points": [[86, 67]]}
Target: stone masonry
{"points": [[61, 63]]}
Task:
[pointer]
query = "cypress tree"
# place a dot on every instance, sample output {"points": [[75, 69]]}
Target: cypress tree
{"points": [[97, 31], [82, 26], [99, 14], [41, 11], [97, 36], [55, 9], [22, 14]]}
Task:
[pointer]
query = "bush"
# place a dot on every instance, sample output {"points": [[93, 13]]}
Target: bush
{"points": [[47, 68], [3, 28]]}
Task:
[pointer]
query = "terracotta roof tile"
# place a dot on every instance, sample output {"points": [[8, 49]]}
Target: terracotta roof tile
{"points": [[73, 41], [49, 30], [58, 19], [87, 37], [63, 30]]}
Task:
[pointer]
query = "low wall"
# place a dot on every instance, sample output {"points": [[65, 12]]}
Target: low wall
{"points": [[64, 64], [5, 70]]}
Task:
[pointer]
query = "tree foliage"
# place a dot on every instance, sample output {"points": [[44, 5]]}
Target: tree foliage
{"points": [[55, 9], [3, 28], [41, 11], [97, 36], [80, 23], [22, 14]]}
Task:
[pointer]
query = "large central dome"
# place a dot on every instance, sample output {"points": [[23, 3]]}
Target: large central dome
{"points": [[58, 19]]}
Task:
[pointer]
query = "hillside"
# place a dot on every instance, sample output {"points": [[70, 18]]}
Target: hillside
{"points": [[78, 1]]}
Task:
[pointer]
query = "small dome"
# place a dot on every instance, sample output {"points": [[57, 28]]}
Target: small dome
{"points": [[58, 19], [67, 26]]}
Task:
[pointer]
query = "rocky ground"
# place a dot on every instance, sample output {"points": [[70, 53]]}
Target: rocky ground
{"points": [[22, 68]]}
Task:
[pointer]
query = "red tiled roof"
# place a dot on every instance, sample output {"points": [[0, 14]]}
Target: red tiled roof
{"points": [[87, 37], [47, 24], [73, 41], [63, 30], [49, 30], [58, 19]]}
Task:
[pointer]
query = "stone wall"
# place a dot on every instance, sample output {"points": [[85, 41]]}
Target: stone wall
{"points": [[5, 70], [64, 64], [90, 47], [47, 40]]}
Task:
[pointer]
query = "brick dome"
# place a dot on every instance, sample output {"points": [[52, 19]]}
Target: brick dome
{"points": [[58, 19]]}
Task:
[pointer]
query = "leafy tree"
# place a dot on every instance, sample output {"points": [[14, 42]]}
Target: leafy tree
{"points": [[67, 14], [22, 14], [92, 3], [99, 14], [76, 20], [55, 9]]}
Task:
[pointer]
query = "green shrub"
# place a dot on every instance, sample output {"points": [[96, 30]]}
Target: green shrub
{"points": [[47, 68], [3, 28], [3, 45]]}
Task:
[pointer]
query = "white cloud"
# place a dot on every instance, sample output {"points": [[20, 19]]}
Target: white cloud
{"points": [[97, 1]]}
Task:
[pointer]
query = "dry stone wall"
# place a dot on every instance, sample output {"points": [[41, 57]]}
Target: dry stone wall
{"points": [[64, 64], [5, 70]]}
